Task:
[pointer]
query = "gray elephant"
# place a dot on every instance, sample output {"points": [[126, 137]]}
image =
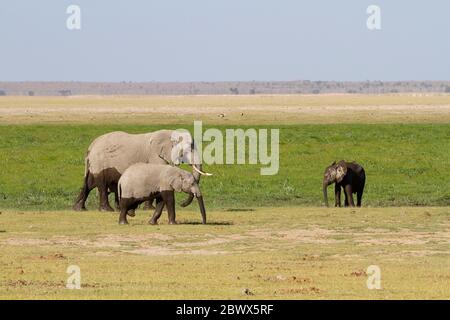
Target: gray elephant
{"points": [[347, 175], [145, 182], [111, 154]]}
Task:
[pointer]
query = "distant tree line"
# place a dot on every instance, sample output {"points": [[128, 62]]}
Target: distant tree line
{"points": [[224, 87]]}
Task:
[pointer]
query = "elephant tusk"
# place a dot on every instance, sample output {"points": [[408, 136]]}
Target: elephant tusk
{"points": [[201, 172]]}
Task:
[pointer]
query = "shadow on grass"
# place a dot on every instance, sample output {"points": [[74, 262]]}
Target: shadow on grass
{"points": [[188, 222], [215, 223]]}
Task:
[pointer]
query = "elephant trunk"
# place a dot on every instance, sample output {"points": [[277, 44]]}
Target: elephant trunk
{"points": [[196, 172], [202, 208], [188, 200], [325, 195], [197, 176]]}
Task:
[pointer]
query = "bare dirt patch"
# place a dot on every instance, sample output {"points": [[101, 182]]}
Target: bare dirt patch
{"points": [[161, 251], [317, 235], [28, 283], [402, 237], [301, 290], [254, 240], [105, 241]]}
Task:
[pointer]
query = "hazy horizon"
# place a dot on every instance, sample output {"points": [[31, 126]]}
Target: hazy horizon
{"points": [[225, 81], [224, 41]]}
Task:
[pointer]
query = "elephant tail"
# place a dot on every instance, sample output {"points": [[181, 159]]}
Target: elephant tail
{"points": [[86, 171], [86, 167], [119, 190]]}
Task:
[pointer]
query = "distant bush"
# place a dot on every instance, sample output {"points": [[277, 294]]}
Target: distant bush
{"points": [[2, 93], [447, 89], [234, 90], [31, 93], [65, 92]]}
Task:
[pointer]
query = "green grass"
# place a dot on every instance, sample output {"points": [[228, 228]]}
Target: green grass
{"points": [[275, 253], [406, 165]]}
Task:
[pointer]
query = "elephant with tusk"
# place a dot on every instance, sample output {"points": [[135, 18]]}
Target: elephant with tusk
{"points": [[111, 154], [142, 182], [347, 175]]}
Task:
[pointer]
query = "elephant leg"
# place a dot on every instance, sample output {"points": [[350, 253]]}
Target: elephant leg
{"points": [[169, 201], [124, 205], [123, 216], [337, 195], [104, 203], [359, 195], [349, 196], [88, 185], [158, 211], [132, 212], [148, 205], [358, 199], [113, 189]]}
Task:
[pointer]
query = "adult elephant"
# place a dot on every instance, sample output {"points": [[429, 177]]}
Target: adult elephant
{"points": [[111, 154], [347, 175]]}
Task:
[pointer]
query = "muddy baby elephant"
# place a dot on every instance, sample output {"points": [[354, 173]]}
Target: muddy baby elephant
{"points": [[144, 181], [349, 176]]}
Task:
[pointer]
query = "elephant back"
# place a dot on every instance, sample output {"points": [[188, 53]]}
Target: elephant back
{"points": [[117, 150], [141, 179]]}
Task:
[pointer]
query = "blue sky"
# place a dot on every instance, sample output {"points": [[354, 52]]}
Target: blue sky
{"points": [[214, 40]]}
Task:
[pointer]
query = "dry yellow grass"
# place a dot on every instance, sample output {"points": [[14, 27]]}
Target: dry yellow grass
{"points": [[242, 109], [274, 253]]}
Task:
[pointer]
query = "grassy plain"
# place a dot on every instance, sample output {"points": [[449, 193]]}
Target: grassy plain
{"points": [[43, 165]]}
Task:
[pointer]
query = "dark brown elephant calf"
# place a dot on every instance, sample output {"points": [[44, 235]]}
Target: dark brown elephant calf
{"points": [[347, 175]]}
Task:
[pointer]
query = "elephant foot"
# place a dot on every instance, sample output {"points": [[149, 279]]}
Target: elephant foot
{"points": [[153, 223], [131, 213], [79, 207], [148, 207], [123, 222], [173, 222], [106, 209]]}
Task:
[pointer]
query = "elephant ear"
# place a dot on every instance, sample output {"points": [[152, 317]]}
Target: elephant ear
{"points": [[161, 147], [176, 182], [181, 142], [341, 171]]}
